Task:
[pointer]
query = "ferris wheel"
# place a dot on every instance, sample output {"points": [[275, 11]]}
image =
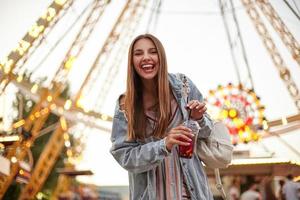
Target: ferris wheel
{"points": [[237, 105]]}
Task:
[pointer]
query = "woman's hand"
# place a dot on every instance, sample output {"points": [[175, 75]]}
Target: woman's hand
{"points": [[180, 135], [197, 109]]}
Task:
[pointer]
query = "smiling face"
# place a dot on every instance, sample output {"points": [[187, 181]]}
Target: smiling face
{"points": [[145, 59]]}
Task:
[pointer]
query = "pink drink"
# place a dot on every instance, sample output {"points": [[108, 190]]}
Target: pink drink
{"points": [[187, 151]]}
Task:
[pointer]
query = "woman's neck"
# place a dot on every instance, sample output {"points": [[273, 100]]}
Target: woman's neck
{"points": [[150, 96], [149, 87]]}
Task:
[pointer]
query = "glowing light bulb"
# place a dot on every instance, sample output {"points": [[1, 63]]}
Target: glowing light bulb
{"points": [[284, 121], [49, 98], [13, 159], [69, 153], [63, 123], [69, 63], [104, 117], [60, 2], [66, 136], [20, 78], [68, 104], [232, 113], [52, 106], [19, 123], [34, 88], [67, 144], [224, 114]]}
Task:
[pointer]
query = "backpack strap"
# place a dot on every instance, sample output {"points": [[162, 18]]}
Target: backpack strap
{"points": [[219, 184]]}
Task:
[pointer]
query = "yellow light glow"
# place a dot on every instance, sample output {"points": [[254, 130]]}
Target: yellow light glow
{"points": [[235, 121], [52, 106], [19, 123], [22, 47], [260, 119], [21, 172], [80, 157], [60, 2], [69, 153], [224, 114], [13, 159], [70, 160], [241, 133], [67, 144], [34, 88], [284, 121], [247, 129], [227, 103], [39, 195], [45, 111], [36, 30], [31, 117], [238, 122], [68, 104], [20, 78], [255, 137], [37, 114], [63, 123], [80, 102], [247, 139], [246, 135], [66, 136], [49, 98], [50, 14], [104, 117], [28, 144], [257, 102], [8, 65], [60, 110], [265, 125], [69, 63], [232, 113]]}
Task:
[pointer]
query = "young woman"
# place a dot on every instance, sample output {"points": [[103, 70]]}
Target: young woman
{"points": [[147, 128]]}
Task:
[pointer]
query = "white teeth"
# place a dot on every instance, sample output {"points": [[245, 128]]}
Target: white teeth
{"points": [[147, 66]]}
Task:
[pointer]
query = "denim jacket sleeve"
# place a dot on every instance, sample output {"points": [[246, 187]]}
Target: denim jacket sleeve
{"points": [[134, 156], [206, 122]]}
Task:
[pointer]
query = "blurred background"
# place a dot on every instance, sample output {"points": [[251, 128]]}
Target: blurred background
{"points": [[63, 66]]}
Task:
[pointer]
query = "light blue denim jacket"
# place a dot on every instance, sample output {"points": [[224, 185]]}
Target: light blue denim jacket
{"points": [[140, 159]]}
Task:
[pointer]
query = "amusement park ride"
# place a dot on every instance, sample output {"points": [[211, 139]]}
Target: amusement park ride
{"points": [[238, 106]]}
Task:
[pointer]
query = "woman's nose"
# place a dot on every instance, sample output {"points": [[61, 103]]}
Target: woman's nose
{"points": [[146, 56]]}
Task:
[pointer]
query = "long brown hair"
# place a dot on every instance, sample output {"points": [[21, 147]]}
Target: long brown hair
{"points": [[134, 95]]}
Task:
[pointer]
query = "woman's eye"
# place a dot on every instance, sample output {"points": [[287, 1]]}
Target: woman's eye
{"points": [[138, 53]]}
